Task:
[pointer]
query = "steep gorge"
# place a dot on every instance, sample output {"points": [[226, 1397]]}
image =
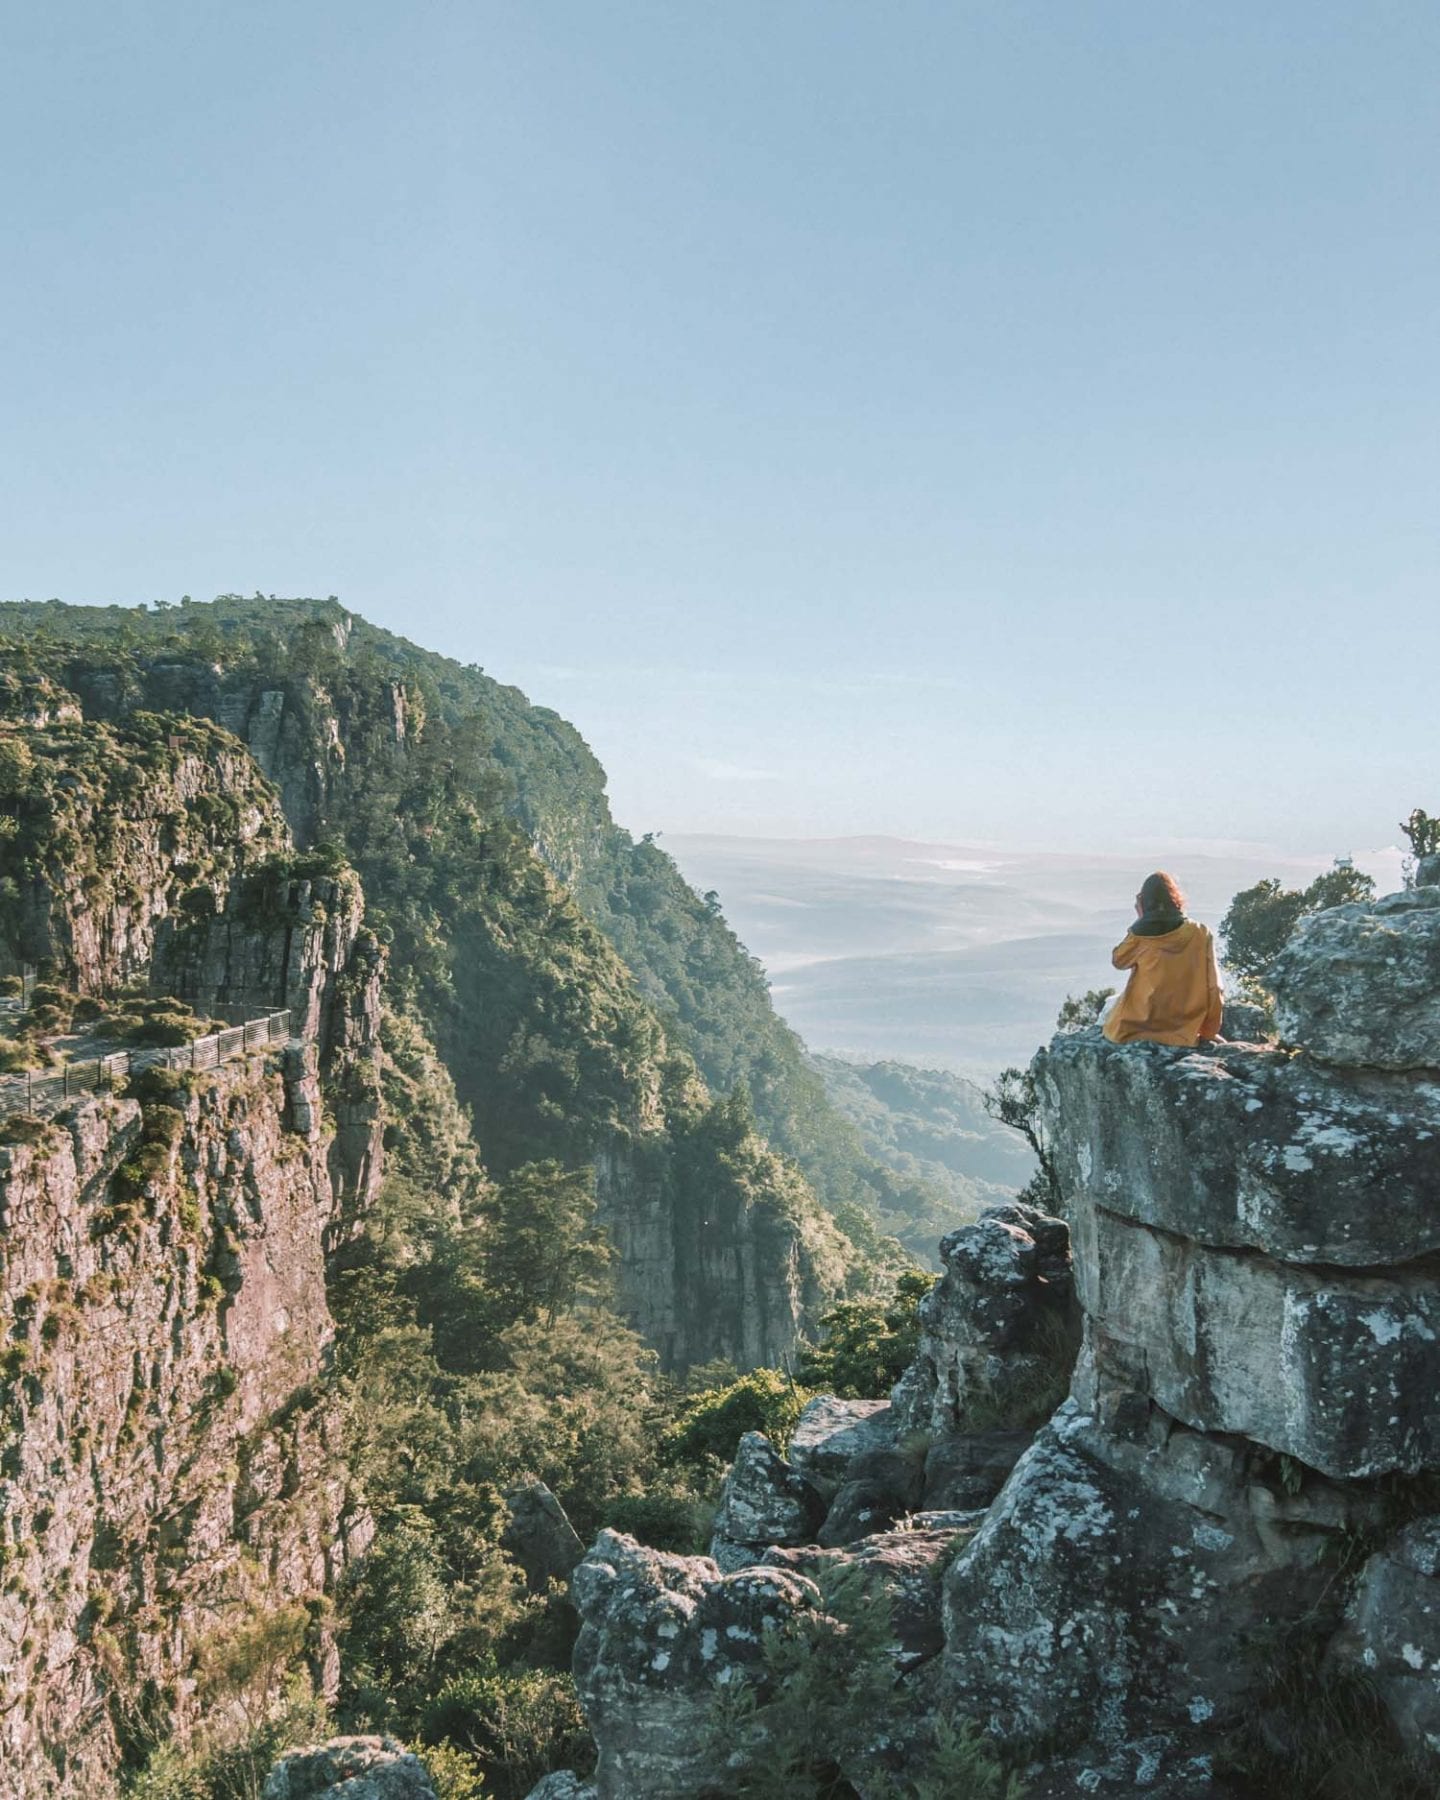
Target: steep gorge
{"points": [[444, 789]]}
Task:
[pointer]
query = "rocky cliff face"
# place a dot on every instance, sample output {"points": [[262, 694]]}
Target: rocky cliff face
{"points": [[174, 1504], [122, 835], [172, 1466], [1245, 1463], [716, 1254], [536, 1017]]}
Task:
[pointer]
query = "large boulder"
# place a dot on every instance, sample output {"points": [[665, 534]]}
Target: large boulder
{"points": [[350, 1768], [1337, 1368], [563, 1784], [1238, 1148], [539, 1535], [660, 1636], [764, 1501], [1392, 1634], [996, 1328], [831, 1433], [1247, 1021], [1359, 985], [1105, 1599]]}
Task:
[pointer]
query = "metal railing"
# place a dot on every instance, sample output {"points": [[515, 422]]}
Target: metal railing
{"points": [[24, 1093]]}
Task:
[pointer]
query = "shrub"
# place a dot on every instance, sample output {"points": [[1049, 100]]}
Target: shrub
{"points": [[867, 1344], [1315, 1732], [17, 1055], [712, 1424], [162, 1030], [1422, 833], [679, 1521], [453, 1772], [519, 1724], [809, 1713], [1262, 919]]}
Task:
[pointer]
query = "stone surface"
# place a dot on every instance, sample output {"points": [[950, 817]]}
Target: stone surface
{"points": [[659, 1636], [1105, 1599], [859, 1509], [539, 1535], [350, 1768], [764, 1501], [1243, 1148], [831, 1433], [1359, 985], [1392, 1634], [1247, 1022], [564, 1784], [1336, 1369], [173, 1452], [998, 1318], [880, 1486], [968, 1470], [907, 1566]]}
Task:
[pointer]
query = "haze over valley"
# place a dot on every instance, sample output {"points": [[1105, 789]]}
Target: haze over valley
{"points": [[951, 956]]}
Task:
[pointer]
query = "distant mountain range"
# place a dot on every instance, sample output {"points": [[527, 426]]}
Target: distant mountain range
{"points": [[953, 956]]}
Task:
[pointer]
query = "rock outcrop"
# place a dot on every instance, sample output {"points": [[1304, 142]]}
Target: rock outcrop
{"points": [[125, 832], [997, 1330], [1257, 1283], [1391, 1635], [765, 1501], [831, 1433], [350, 1768], [1359, 986], [172, 1457], [660, 1636], [539, 1535], [708, 1265]]}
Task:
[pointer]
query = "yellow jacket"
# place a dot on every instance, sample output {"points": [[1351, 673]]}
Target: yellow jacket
{"points": [[1173, 994]]}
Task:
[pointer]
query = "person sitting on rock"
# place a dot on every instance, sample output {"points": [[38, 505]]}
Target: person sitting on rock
{"points": [[1173, 994]]}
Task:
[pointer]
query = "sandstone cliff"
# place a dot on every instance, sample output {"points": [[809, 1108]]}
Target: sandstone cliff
{"points": [[172, 1465], [174, 1503]]}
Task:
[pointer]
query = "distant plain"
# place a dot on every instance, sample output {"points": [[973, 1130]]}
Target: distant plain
{"points": [[952, 956]]}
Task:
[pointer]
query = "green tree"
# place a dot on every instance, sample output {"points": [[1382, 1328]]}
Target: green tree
{"points": [[1422, 832], [866, 1345], [543, 1248], [1083, 1010], [1011, 1099], [1262, 919]]}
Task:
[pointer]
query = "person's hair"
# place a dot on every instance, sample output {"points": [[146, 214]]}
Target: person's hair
{"points": [[1160, 893]]}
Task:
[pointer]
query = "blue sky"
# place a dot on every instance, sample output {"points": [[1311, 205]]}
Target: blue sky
{"points": [[1006, 422]]}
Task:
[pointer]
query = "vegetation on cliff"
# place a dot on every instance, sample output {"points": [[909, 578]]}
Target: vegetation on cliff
{"points": [[560, 1013], [413, 727]]}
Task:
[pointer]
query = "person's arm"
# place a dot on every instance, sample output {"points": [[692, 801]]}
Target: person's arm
{"points": [[1215, 994], [1124, 954]]}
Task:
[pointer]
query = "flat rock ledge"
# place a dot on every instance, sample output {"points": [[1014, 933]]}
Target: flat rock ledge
{"points": [[1241, 1147]]}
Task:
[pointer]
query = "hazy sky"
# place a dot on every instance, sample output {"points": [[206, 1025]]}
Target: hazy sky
{"points": [[1008, 420]]}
